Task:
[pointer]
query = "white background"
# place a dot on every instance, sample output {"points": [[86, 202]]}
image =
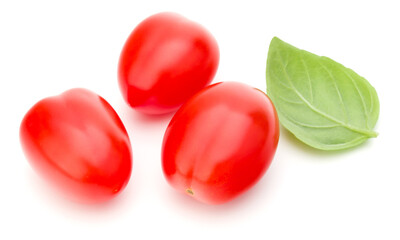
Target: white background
{"points": [[47, 47]]}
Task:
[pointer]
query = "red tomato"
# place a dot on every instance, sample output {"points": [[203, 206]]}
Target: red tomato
{"points": [[220, 142], [77, 142], [166, 59]]}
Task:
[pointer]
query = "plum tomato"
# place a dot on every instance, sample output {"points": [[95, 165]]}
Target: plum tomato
{"points": [[220, 142], [166, 59], [77, 142]]}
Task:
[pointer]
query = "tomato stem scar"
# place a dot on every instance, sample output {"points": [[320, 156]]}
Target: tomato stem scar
{"points": [[190, 191]]}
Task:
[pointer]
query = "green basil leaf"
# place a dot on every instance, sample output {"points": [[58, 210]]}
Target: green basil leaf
{"points": [[323, 103]]}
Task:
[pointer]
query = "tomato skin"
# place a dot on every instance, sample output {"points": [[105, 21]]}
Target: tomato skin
{"points": [[165, 60], [220, 142], [77, 142]]}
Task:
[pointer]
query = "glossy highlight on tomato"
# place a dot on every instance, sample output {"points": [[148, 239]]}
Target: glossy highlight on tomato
{"points": [[77, 142], [165, 60], [220, 142]]}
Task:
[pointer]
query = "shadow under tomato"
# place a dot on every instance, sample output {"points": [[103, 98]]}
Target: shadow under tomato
{"points": [[137, 116], [246, 204], [51, 197], [143, 130]]}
